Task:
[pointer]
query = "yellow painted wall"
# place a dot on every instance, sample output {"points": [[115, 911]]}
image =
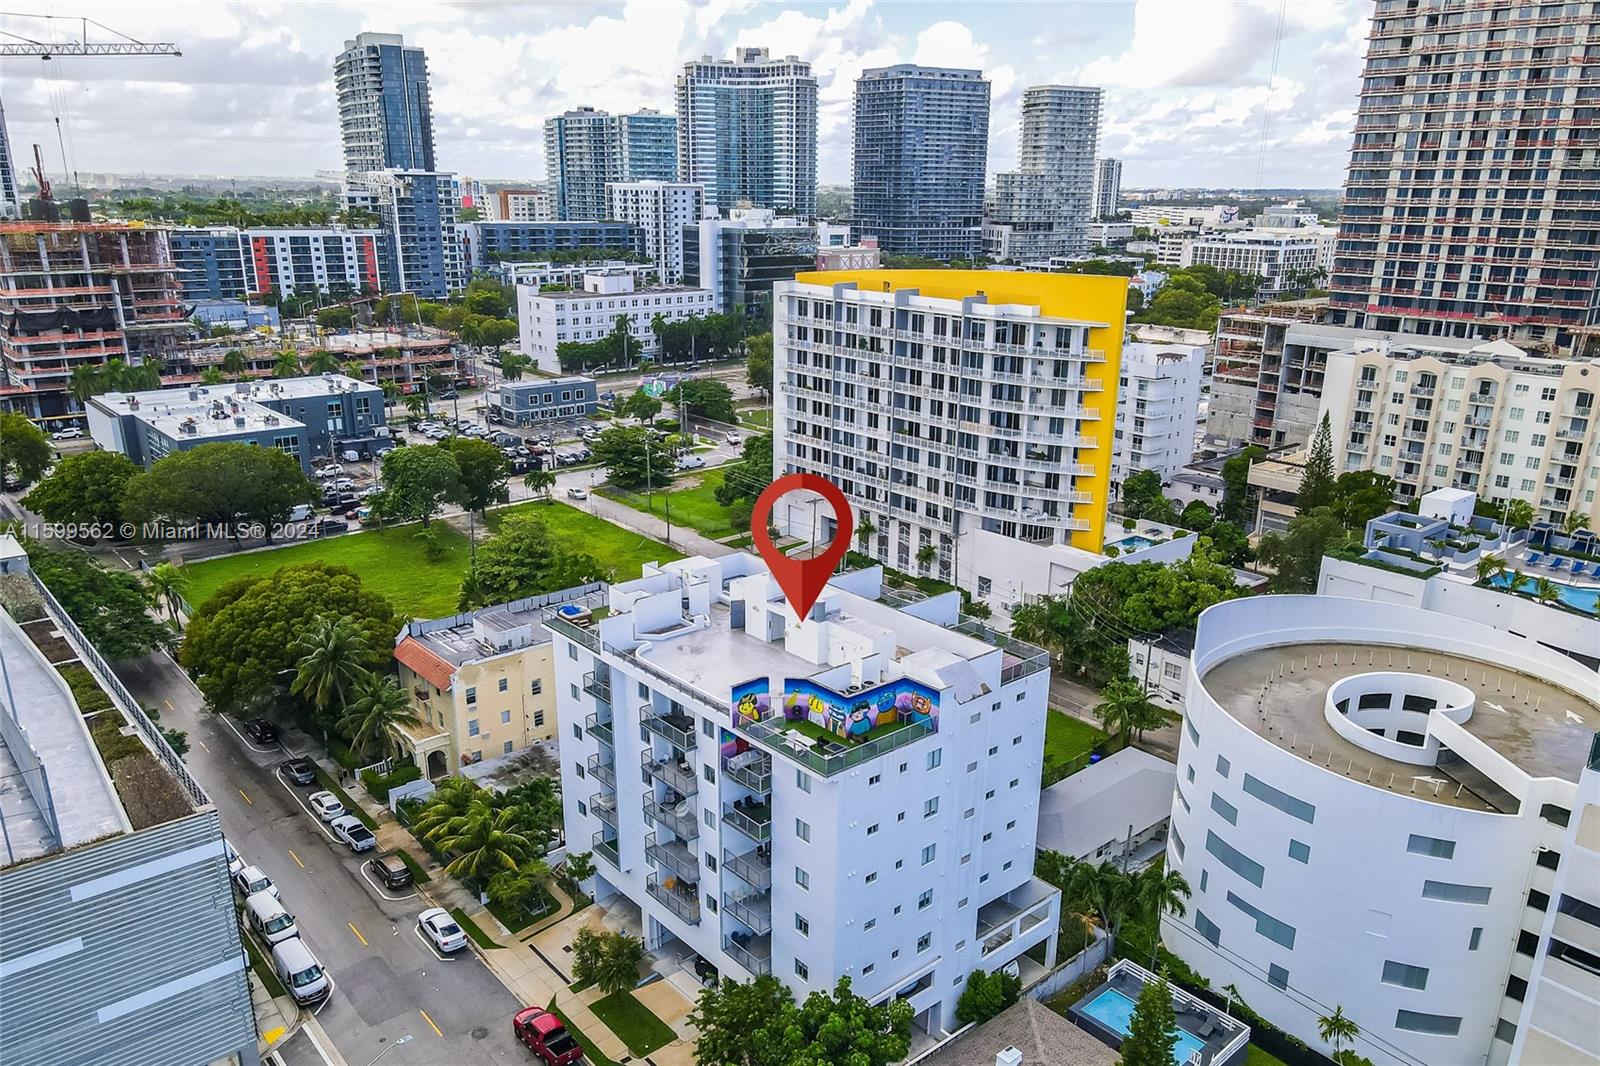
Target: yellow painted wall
{"points": [[448, 711], [1087, 297]]}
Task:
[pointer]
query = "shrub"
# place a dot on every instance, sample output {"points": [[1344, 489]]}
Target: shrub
{"points": [[378, 785], [986, 995]]}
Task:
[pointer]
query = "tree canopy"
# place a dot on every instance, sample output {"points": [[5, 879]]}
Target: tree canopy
{"points": [[112, 607], [758, 1024], [1351, 500], [758, 363], [483, 470], [224, 483], [986, 995], [86, 488], [706, 397], [523, 559], [241, 643], [24, 449], [417, 480], [1153, 1028], [633, 457]]}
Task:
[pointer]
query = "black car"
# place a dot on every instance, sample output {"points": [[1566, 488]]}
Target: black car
{"points": [[390, 870], [301, 771], [330, 526], [261, 731]]}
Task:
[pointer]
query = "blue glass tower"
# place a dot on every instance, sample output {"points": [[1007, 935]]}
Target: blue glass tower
{"points": [[385, 115]]}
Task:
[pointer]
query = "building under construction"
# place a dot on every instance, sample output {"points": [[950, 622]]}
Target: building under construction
{"points": [[80, 294]]}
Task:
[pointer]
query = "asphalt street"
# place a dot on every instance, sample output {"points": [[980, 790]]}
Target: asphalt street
{"points": [[388, 982]]}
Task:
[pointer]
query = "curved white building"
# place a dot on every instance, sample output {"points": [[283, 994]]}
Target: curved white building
{"points": [[1393, 811]]}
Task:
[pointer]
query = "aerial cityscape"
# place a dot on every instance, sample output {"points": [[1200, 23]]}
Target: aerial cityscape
{"points": [[765, 534]]}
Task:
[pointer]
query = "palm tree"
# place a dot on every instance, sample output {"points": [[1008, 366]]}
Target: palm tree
{"points": [[233, 362], [617, 968], [1490, 567], [1337, 1030], [1574, 521], [329, 657], [1159, 890], [1546, 591], [864, 532], [1438, 547], [416, 404], [287, 366], [926, 555], [167, 584], [353, 368], [484, 841], [1519, 514], [452, 798], [513, 365], [1124, 710], [86, 381], [1104, 892], [380, 708], [211, 376], [321, 361], [391, 392], [541, 481], [622, 326]]}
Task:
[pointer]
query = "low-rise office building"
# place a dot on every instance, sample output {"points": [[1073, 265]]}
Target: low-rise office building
{"points": [[534, 400], [741, 258], [225, 262], [1393, 810], [540, 273], [481, 682], [849, 794], [118, 936], [549, 319], [305, 417], [1287, 259]]}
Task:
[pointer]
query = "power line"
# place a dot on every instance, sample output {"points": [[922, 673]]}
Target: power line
{"points": [[1272, 77]]}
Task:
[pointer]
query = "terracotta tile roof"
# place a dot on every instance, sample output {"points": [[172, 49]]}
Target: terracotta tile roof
{"points": [[413, 653]]}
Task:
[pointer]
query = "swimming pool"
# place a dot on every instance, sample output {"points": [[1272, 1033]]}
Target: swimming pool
{"points": [[1114, 1010], [1587, 599], [1133, 543]]}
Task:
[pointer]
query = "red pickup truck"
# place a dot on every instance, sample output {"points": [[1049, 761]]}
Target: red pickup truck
{"points": [[544, 1034]]}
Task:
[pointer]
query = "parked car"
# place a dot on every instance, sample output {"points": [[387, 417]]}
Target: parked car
{"points": [[391, 870], [301, 973], [235, 861], [252, 879], [300, 512], [301, 771], [437, 925], [576, 493], [330, 526], [544, 1035], [261, 731], [349, 829], [70, 433], [690, 462], [350, 455], [269, 918], [326, 805]]}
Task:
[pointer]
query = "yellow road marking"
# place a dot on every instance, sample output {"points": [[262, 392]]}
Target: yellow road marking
{"points": [[170, 707], [296, 859], [435, 1028], [361, 938], [202, 744], [272, 1036], [247, 798]]}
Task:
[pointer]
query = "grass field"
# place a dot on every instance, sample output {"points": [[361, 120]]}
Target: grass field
{"points": [[393, 562], [1255, 1056], [758, 417], [696, 506], [633, 1022], [591, 1054], [1067, 743]]}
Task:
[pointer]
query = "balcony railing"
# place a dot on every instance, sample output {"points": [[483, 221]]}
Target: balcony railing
{"points": [[604, 772], [754, 910], [671, 773], [599, 729], [672, 856], [751, 769], [607, 850], [603, 805], [677, 736], [683, 825], [589, 638], [753, 867], [598, 685], [755, 954], [685, 905], [754, 821]]}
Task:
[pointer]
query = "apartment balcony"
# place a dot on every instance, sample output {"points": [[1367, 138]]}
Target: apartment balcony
{"points": [[606, 848], [1012, 916], [603, 771], [603, 805], [1424, 390], [1477, 421], [752, 908], [750, 817], [1559, 482], [679, 817], [753, 867], [1359, 447], [673, 856], [754, 953], [598, 685], [1572, 433], [679, 898], [1472, 465], [1414, 433], [675, 773], [675, 729], [599, 727], [423, 694], [752, 769]]}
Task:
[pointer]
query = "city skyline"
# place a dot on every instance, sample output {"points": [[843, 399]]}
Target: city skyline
{"points": [[1180, 80]]}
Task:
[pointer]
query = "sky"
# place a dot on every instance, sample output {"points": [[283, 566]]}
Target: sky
{"points": [[1190, 95]]}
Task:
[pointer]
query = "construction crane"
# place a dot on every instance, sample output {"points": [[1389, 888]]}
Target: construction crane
{"points": [[18, 45]]}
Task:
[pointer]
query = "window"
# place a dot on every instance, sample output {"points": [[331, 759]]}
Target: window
{"points": [[1277, 976], [874, 779], [1224, 808], [472, 696], [1207, 928], [505, 749], [1431, 846], [472, 727], [801, 925], [1234, 859], [1280, 933], [577, 768], [709, 772], [572, 652], [505, 717], [1189, 774], [802, 879], [1527, 943], [802, 830], [538, 717], [537, 686], [1286, 803], [1015, 781], [1475, 938], [800, 970], [924, 942], [1555, 814], [925, 900], [711, 862], [869, 925], [930, 807], [802, 781], [1405, 975], [928, 853], [1504, 1030], [935, 758], [1452, 893], [1223, 766], [1435, 1024], [1299, 852], [1548, 859], [872, 830], [1539, 901], [710, 818], [577, 731], [868, 968], [1572, 907], [1188, 725], [1573, 955]]}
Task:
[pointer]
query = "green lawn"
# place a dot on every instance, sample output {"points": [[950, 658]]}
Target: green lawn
{"points": [[632, 1021], [472, 929], [1255, 1056], [591, 1054], [392, 561], [695, 506], [1067, 743], [758, 417]]}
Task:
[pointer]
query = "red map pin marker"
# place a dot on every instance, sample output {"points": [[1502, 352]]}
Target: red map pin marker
{"points": [[802, 580]]}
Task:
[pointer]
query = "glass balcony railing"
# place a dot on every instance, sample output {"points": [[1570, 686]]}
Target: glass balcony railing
{"points": [[599, 727], [680, 822], [677, 730], [672, 856], [598, 685], [678, 775], [679, 898], [754, 868], [752, 769], [603, 805], [607, 850], [602, 771], [754, 953], [753, 820], [753, 909]]}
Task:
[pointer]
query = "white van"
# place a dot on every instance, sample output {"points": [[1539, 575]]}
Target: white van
{"points": [[300, 513], [300, 972], [269, 919]]}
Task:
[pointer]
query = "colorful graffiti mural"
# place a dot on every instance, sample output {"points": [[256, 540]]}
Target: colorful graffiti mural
{"points": [[851, 715]]}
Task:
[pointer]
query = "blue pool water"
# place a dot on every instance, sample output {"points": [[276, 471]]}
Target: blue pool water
{"points": [[1114, 1010], [1133, 543], [1583, 599]]}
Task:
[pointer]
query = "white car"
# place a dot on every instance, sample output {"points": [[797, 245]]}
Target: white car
{"points": [[72, 433], [253, 879], [327, 806], [349, 829], [235, 861], [437, 925], [577, 494]]}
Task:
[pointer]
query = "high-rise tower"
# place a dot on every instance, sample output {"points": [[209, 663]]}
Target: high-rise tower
{"points": [[385, 117]]}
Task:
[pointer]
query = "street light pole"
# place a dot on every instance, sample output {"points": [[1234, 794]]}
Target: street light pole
{"points": [[391, 1047]]}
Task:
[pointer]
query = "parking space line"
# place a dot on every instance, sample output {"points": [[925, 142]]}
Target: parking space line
{"points": [[168, 702], [429, 945], [302, 805], [367, 877], [246, 740], [247, 798], [296, 859], [357, 932], [436, 1030]]}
